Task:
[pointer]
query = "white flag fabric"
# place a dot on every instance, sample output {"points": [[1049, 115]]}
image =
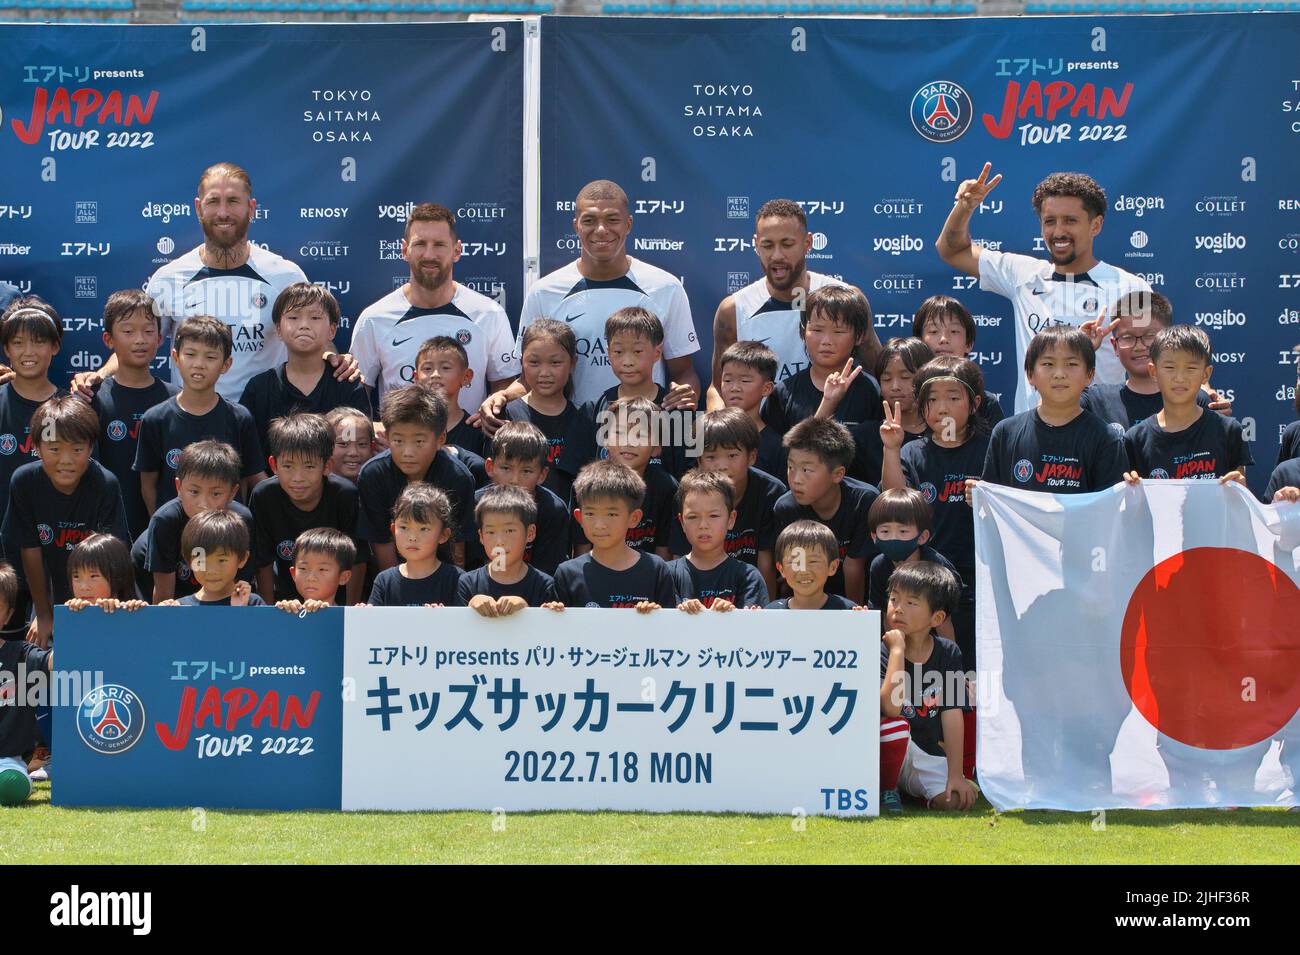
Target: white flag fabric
{"points": [[1138, 647]]}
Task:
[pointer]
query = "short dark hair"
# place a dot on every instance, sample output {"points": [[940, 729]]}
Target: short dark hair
{"points": [[8, 586], [939, 307], [966, 372], [415, 404], [125, 302], [430, 212], [506, 499], [110, 556], [603, 189], [913, 352], [342, 413], [753, 355], [521, 441], [31, 315], [900, 505], [935, 584], [206, 331], [628, 417], [443, 343], [842, 305], [209, 459], [636, 320], [424, 503], [1071, 337], [782, 209], [729, 428], [1183, 338], [609, 479], [304, 435], [1140, 303], [1076, 184], [329, 541], [67, 418], [699, 481], [829, 440], [211, 531], [808, 535], [301, 294]]}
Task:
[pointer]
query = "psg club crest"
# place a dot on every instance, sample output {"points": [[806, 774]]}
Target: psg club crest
{"points": [[1159, 474], [259, 300], [1023, 471], [173, 458], [463, 336], [45, 532], [110, 719], [928, 492], [117, 430], [285, 550], [941, 111], [8, 444]]}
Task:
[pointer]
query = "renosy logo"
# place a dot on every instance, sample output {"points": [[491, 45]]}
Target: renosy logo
{"points": [[1218, 244]]}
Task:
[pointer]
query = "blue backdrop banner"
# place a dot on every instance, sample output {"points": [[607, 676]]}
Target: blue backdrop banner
{"points": [[1190, 123], [341, 127]]}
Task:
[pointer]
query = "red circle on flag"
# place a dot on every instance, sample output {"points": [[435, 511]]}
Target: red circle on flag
{"points": [[1210, 648]]}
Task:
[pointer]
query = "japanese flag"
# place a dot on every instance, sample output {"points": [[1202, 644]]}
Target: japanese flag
{"points": [[1138, 647]]}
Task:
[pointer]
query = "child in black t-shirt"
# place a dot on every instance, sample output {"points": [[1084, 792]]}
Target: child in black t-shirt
{"points": [[306, 317], [422, 521], [819, 453], [354, 441], [900, 526], [18, 731], [748, 378], [707, 576], [100, 571], [207, 478], [930, 689], [612, 574], [807, 555], [731, 447], [415, 422], [1181, 440], [948, 327], [950, 391], [323, 558], [201, 352], [131, 330], [301, 496], [1057, 447], [215, 543], [519, 452], [629, 429], [60, 500], [506, 518], [31, 332], [834, 323], [443, 365], [550, 351]]}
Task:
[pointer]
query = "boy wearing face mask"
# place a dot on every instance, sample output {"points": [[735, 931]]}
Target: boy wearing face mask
{"points": [[900, 523]]}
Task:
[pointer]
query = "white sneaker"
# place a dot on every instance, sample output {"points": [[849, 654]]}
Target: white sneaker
{"points": [[41, 775]]}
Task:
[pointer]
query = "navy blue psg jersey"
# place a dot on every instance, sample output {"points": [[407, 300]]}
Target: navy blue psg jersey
{"points": [[120, 411], [16, 447]]}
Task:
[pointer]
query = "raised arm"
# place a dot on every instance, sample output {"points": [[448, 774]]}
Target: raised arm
{"points": [[954, 244]]}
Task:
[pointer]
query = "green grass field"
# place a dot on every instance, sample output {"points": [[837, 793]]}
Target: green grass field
{"points": [[36, 832]]}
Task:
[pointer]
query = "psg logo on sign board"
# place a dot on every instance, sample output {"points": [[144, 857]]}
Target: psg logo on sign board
{"points": [[110, 719], [941, 111]]}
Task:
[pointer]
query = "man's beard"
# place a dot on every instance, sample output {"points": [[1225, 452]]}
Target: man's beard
{"points": [[428, 282], [241, 233], [793, 278]]}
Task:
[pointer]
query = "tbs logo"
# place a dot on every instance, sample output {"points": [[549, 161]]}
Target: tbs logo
{"points": [[285, 550], [117, 430], [46, 533], [173, 458], [1023, 471]]}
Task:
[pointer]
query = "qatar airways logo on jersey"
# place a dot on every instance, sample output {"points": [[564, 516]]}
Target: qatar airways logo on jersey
{"points": [[77, 108], [1059, 99]]}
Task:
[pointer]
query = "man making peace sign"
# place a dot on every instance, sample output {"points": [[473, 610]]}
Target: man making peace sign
{"points": [[1070, 288]]}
